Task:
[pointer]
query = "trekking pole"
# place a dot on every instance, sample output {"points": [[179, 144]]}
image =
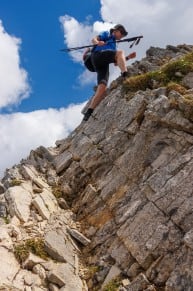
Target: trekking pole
{"points": [[135, 40]]}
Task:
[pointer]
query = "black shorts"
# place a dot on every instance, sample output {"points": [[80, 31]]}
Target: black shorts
{"points": [[101, 61]]}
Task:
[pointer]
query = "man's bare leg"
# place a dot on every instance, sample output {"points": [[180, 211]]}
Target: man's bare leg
{"points": [[99, 95], [120, 60], [97, 98]]}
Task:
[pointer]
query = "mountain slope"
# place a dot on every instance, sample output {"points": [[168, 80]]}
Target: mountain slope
{"points": [[122, 182]]}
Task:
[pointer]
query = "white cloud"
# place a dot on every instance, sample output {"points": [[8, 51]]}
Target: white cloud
{"points": [[161, 23], [75, 34], [13, 79], [136, 12], [22, 132]]}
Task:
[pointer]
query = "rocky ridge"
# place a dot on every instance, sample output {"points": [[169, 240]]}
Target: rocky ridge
{"points": [[111, 205]]}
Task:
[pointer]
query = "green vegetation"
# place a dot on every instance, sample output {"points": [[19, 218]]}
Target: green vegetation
{"points": [[176, 70], [15, 182], [57, 192], [176, 87], [6, 220], [188, 99], [113, 285], [33, 245], [142, 82], [173, 72], [91, 271]]}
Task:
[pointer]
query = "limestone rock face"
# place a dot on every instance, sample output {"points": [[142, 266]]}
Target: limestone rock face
{"points": [[8, 267], [19, 201], [125, 178]]}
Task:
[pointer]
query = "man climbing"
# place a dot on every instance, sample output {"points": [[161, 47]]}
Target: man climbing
{"points": [[103, 54]]}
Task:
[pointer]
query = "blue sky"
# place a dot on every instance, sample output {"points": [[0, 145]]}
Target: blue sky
{"points": [[42, 90], [52, 74]]}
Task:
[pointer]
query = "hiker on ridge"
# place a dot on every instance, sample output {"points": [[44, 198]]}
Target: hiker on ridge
{"points": [[104, 53]]}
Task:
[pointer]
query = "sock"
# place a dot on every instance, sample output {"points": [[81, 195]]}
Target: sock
{"points": [[124, 74], [88, 114], [89, 111]]}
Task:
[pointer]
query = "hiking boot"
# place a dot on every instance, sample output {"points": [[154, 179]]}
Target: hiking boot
{"points": [[125, 75], [88, 114]]}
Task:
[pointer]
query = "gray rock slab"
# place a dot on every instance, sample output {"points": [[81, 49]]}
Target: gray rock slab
{"points": [[64, 276], [59, 247], [9, 266], [19, 201], [62, 161], [79, 236], [41, 207]]}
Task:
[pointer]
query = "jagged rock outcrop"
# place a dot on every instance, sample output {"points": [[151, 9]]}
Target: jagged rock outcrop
{"points": [[33, 222], [113, 202]]}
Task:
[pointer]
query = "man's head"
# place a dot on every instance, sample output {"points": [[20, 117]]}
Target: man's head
{"points": [[120, 28]]}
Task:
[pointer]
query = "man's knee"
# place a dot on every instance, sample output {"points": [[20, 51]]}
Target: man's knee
{"points": [[119, 53], [103, 82]]}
